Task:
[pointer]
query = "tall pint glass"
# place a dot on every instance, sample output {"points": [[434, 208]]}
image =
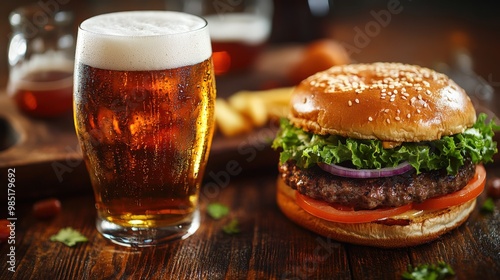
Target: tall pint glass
{"points": [[144, 96]]}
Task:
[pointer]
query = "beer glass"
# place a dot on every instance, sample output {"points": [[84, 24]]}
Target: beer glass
{"points": [[144, 96], [238, 29], [41, 52]]}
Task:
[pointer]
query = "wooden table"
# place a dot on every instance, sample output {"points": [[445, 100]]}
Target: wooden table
{"points": [[268, 247]]}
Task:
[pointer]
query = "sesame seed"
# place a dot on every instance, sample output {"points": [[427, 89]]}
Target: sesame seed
{"points": [[395, 91], [388, 120], [418, 111], [404, 97], [386, 110], [356, 100], [412, 100], [397, 118], [419, 97], [408, 115], [428, 92], [349, 103], [370, 119], [383, 90]]}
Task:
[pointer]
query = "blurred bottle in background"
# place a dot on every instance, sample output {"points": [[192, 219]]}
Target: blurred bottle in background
{"points": [[238, 29], [41, 60]]}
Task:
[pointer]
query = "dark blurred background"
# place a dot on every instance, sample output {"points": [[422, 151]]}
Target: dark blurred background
{"points": [[423, 32]]}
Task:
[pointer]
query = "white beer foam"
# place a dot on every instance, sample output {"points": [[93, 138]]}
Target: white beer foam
{"points": [[242, 27], [48, 61], [143, 40]]}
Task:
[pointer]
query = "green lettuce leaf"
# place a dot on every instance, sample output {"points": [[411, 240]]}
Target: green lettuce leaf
{"points": [[449, 152]]}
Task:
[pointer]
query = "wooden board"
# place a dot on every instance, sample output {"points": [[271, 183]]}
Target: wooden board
{"points": [[48, 151]]}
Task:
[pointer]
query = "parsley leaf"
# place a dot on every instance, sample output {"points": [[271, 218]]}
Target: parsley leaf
{"points": [[428, 271], [449, 152], [232, 227], [488, 205], [68, 236], [217, 210]]}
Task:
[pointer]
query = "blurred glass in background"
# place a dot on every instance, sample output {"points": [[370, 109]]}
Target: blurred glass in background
{"points": [[238, 29], [40, 56]]}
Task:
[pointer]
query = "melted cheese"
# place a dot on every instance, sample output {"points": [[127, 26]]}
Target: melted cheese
{"points": [[408, 215]]}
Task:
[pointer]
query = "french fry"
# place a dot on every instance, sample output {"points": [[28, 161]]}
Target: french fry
{"points": [[257, 111], [250, 106], [260, 105], [228, 120], [278, 111], [239, 101], [270, 97], [275, 96], [244, 110]]}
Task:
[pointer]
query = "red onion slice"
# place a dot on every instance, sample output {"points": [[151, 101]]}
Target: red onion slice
{"points": [[366, 173]]}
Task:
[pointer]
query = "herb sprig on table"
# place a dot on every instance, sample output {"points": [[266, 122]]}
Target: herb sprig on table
{"points": [[441, 270], [69, 237], [218, 211]]}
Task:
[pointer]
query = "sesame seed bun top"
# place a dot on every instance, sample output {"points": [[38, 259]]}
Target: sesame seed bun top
{"points": [[386, 101]]}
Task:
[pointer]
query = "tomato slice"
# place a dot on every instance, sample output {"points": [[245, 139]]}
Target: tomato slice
{"points": [[328, 212], [473, 189], [340, 214]]}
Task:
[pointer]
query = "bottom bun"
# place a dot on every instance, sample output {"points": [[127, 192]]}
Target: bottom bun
{"points": [[416, 230]]}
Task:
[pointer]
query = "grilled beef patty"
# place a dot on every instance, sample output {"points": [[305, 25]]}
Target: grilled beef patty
{"points": [[374, 192]]}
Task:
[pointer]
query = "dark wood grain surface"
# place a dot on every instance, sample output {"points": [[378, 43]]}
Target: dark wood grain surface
{"points": [[268, 247]]}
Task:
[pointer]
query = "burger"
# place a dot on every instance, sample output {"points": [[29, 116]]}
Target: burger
{"points": [[381, 154]]}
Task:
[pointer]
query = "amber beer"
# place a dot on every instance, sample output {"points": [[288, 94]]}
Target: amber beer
{"points": [[43, 86], [144, 105]]}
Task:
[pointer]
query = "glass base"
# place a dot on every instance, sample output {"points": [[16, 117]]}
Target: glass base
{"points": [[145, 237]]}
